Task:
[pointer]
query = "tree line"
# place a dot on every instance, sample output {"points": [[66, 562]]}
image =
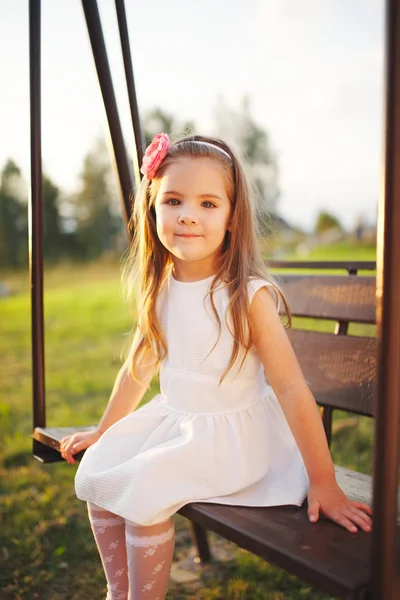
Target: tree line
{"points": [[86, 224], [80, 227]]}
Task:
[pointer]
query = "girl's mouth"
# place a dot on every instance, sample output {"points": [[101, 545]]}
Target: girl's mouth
{"points": [[188, 235]]}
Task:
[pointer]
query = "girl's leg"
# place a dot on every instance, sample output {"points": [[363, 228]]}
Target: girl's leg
{"points": [[109, 533], [150, 552]]}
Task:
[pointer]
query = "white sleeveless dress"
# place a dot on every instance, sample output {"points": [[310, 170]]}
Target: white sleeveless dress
{"points": [[196, 440]]}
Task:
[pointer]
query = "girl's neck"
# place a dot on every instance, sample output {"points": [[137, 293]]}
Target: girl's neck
{"points": [[192, 272]]}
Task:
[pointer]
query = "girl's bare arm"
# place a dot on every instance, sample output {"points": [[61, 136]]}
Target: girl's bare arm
{"points": [[126, 394], [298, 404], [286, 378]]}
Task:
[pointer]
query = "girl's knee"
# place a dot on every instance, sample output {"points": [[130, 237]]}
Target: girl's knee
{"points": [[152, 529]]}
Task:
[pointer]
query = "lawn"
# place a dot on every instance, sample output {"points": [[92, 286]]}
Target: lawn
{"points": [[46, 547]]}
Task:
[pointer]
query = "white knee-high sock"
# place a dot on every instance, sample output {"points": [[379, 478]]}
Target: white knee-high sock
{"points": [[150, 551], [109, 534]]}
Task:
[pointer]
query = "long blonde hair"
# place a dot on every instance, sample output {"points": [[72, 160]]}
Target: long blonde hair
{"points": [[149, 262]]}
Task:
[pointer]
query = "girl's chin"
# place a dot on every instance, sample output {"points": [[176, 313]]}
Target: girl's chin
{"points": [[190, 256]]}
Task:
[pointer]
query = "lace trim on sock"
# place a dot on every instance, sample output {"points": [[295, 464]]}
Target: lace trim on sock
{"points": [[107, 522], [149, 540]]}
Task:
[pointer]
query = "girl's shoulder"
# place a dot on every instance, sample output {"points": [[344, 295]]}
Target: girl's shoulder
{"points": [[255, 283]]}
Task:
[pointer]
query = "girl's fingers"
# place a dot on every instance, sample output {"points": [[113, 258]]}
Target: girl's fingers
{"points": [[73, 444], [349, 518], [313, 510], [363, 507], [70, 455], [362, 514], [345, 522], [65, 450], [359, 519], [70, 458]]}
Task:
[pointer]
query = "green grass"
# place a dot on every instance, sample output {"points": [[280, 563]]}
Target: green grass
{"points": [[46, 547], [341, 251]]}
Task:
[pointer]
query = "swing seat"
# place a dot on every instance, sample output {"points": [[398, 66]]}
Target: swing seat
{"points": [[46, 442]]}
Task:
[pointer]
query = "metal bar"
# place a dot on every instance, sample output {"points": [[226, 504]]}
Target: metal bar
{"points": [[349, 266], [199, 537], [36, 220], [342, 327], [384, 556], [130, 82], [93, 23], [326, 415]]}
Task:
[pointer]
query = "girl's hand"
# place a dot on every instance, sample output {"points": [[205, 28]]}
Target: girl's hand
{"points": [[331, 500], [72, 444]]}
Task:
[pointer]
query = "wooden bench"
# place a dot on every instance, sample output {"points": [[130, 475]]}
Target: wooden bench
{"points": [[341, 372]]}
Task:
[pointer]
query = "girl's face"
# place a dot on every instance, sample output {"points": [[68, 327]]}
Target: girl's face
{"points": [[193, 211]]}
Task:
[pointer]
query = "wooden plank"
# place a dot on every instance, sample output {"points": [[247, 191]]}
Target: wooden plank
{"points": [[340, 370], [324, 553], [45, 454], [328, 558], [333, 297]]}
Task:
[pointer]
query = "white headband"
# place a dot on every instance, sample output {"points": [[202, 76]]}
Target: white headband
{"points": [[211, 146]]}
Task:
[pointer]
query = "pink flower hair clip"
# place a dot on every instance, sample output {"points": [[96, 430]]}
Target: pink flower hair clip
{"points": [[155, 154]]}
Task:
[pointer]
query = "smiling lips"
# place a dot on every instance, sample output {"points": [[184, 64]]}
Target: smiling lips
{"points": [[188, 235]]}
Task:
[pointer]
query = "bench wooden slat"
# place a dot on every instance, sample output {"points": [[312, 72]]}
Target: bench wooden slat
{"points": [[320, 554], [324, 553], [340, 370], [333, 297]]}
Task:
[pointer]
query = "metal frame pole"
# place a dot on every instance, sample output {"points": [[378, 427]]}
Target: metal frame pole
{"points": [[36, 220], [93, 23], [385, 581], [130, 82]]}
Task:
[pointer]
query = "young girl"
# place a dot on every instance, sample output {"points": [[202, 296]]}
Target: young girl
{"points": [[235, 422]]}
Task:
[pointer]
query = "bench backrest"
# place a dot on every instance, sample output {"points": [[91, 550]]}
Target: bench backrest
{"points": [[339, 368]]}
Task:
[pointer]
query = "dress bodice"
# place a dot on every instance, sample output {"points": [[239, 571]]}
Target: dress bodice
{"points": [[198, 352]]}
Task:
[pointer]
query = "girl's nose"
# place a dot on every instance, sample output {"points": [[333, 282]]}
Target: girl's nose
{"points": [[187, 219]]}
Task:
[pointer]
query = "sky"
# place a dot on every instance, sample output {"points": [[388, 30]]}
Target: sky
{"points": [[313, 70]]}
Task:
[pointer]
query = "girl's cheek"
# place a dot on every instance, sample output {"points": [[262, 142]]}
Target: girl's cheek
{"points": [[165, 215]]}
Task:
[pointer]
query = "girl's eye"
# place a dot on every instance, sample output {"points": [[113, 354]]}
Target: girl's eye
{"points": [[172, 202], [208, 204]]}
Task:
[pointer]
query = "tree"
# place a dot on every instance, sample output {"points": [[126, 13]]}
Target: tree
{"points": [[326, 221], [95, 205], [251, 141], [53, 242], [157, 121], [13, 217]]}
